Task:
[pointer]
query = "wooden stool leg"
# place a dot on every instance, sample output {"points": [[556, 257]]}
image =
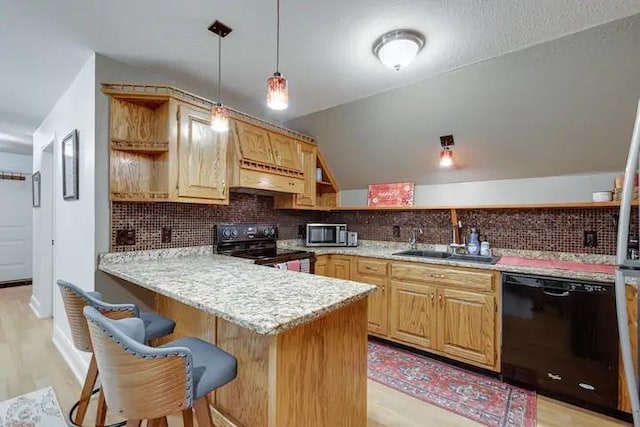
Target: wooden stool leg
{"points": [[187, 418], [203, 413], [101, 413], [133, 423], [87, 388], [163, 422]]}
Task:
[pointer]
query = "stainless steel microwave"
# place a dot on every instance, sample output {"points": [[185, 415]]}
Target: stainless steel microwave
{"points": [[326, 234]]}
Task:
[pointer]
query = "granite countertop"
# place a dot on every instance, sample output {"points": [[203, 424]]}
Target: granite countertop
{"points": [[265, 300], [385, 250]]}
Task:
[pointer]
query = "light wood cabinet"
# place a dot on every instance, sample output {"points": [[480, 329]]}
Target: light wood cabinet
{"points": [[321, 265], [339, 267], [308, 197], [466, 325], [254, 143], [374, 272], [286, 151], [202, 155], [412, 314]]}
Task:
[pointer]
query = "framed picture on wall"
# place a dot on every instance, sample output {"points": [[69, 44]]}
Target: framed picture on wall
{"points": [[387, 195], [70, 166], [35, 189]]}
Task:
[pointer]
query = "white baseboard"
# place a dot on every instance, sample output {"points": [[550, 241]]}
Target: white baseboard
{"points": [[78, 362], [35, 307]]}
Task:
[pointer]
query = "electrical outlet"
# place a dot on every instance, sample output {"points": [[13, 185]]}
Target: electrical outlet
{"points": [[166, 234], [302, 231], [396, 231], [590, 239], [125, 237]]}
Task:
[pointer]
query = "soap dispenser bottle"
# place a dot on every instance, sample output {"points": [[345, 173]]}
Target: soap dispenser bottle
{"points": [[473, 245]]}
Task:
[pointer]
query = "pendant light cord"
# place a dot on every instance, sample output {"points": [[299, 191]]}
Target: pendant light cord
{"points": [[278, 37], [219, 67]]}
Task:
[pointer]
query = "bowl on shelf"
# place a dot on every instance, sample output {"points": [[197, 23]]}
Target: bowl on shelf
{"points": [[602, 196]]}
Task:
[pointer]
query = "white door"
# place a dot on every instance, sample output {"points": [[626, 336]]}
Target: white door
{"points": [[15, 229]]}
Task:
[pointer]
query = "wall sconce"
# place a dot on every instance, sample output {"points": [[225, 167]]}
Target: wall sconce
{"points": [[446, 155]]}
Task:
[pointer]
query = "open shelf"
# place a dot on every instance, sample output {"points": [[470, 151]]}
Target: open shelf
{"points": [[571, 205], [324, 183], [140, 146]]}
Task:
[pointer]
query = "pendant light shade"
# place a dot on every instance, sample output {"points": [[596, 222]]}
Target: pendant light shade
{"points": [[219, 114], [446, 158], [219, 118], [277, 90], [277, 93]]}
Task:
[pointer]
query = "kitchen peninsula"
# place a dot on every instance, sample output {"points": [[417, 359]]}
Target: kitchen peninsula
{"points": [[300, 339]]}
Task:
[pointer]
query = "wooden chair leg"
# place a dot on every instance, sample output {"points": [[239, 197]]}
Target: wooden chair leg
{"points": [[101, 413], [187, 418], [203, 413], [87, 388], [134, 423], [162, 422]]}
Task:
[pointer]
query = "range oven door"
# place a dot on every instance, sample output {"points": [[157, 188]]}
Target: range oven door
{"points": [[560, 337], [326, 235]]}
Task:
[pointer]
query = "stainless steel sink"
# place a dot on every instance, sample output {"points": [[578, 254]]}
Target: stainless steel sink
{"points": [[450, 257], [475, 258], [424, 254]]}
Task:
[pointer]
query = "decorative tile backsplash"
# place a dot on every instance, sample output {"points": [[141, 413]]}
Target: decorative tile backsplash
{"points": [[560, 230], [192, 224]]}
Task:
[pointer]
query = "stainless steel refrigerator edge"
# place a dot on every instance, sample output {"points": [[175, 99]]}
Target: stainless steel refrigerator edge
{"points": [[627, 268]]}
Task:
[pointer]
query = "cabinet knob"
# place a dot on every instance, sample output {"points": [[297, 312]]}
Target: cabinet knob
{"points": [[440, 299], [371, 268]]}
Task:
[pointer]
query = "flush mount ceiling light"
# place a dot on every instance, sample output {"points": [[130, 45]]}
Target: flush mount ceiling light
{"points": [[219, 115], [277, 92], [446, 155], [396, 49]]}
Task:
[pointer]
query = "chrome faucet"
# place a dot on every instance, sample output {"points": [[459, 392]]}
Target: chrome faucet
{"points": [[414, 235]]}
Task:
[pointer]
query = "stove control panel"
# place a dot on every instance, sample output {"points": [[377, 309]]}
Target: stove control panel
{"points": [[227, 233]]}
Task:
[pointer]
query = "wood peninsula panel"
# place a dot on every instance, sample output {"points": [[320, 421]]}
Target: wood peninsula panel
{"points": [[190, 322], [244, 401], [322, 371], [624, 404]]}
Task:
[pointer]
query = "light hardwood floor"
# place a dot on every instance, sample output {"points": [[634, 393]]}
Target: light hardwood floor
{"points": [[29, 360]]}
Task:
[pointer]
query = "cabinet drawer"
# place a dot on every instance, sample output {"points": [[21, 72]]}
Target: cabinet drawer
{"points": [[471, 279], [372, 267], [268, 181]]}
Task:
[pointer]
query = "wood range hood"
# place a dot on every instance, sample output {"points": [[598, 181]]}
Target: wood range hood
{"points": [[162, 149]]}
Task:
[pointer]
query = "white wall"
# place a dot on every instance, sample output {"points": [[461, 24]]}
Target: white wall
{"points": [[556, 189], [74, 227], [10, 162]]}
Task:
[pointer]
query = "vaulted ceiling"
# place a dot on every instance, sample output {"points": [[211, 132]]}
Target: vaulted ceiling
{"points": [[325, 52]]}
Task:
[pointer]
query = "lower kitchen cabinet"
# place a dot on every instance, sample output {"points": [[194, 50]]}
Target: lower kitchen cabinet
{"points": [[321, 265], [377, 303], [339, 267], [412, 314], [467, 325]]}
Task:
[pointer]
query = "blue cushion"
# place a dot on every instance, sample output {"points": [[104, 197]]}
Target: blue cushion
{"points": [[212, 366], [156, 326]]}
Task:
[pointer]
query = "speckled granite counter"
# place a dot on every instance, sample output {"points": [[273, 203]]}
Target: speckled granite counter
{"points": [[265, 300], [385, 250]]}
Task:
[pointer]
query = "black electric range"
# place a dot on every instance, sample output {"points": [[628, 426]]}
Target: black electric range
{"points": [[255, 241]]}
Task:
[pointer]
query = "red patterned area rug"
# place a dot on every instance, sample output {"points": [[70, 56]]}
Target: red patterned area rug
{"points": [[475, 396]]}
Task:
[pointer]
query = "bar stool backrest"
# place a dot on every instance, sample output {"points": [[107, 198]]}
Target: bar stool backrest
{"points": [[75, 299], [139, 382]]}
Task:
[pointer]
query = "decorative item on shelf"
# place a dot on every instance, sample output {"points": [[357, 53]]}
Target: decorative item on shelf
{"points": [[277, 91], [70, 184], [12, 176], [319, 174], [446, 155], [35, 190], [398, 48], [618, 184], [601, 196], [385, 195], [219, 115]]}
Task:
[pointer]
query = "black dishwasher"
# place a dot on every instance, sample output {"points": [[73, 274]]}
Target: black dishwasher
{"points": [[560, 337]]}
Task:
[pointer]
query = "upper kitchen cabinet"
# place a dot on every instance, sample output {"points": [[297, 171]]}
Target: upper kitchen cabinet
{"points": [[162, 149], [202, 157]]}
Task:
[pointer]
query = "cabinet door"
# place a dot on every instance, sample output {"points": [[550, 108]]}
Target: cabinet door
{"points": [[377, 303], [202, 157], [286, 151], [340, 268], [308, 198], [412, 313], [254, 143], [466, 325], [321, 266]]}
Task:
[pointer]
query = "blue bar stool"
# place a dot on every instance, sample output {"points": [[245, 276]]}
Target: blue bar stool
{"points": [[150, 383], [75, 299]]}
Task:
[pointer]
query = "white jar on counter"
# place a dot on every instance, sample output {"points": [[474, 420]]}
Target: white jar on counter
{"points": [[485, 249]]}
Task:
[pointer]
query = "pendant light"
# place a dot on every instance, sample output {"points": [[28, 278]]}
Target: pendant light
{"points": [[446, 155], [219, 115], [277, 92]]}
